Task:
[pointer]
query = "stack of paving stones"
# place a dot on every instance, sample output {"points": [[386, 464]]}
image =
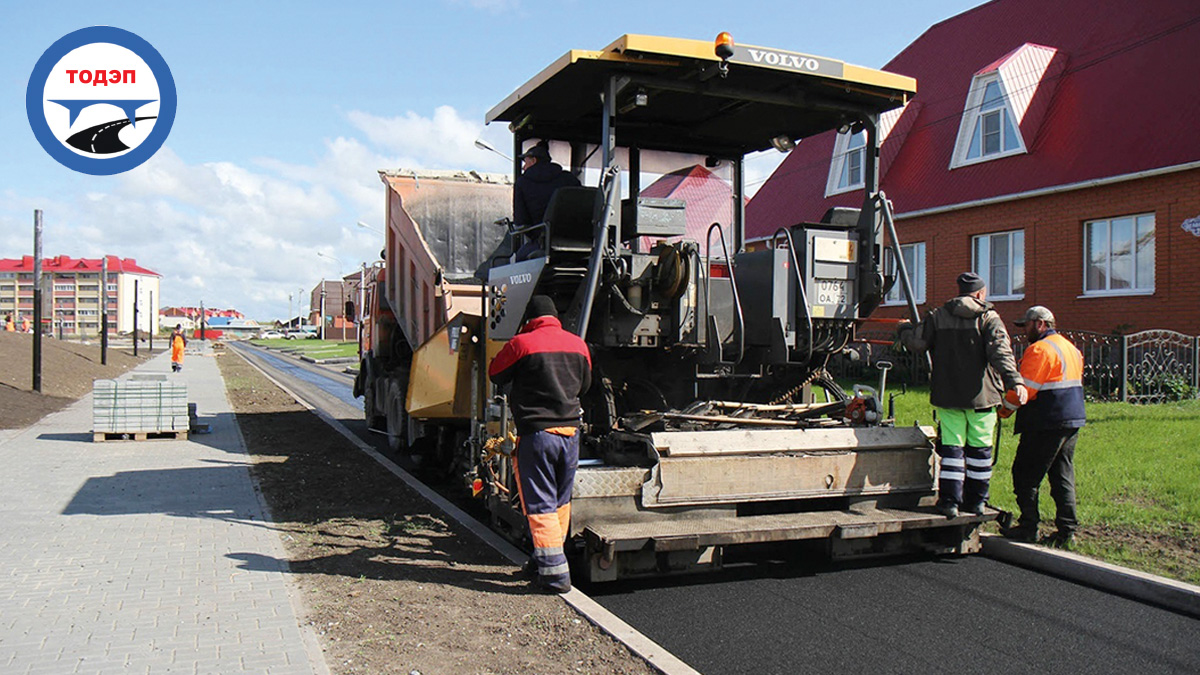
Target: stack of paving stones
{"points": [[141, 408]]}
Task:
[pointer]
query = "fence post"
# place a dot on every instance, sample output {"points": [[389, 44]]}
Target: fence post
{"points": [[1124, 369], [1196, 366]]}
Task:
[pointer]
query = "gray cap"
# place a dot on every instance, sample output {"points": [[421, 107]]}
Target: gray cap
{"points": [[1035, 313], [969, 282]]}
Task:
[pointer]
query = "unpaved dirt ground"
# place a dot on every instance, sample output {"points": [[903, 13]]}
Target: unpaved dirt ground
{"points": [[68, 369], [390, 585]]}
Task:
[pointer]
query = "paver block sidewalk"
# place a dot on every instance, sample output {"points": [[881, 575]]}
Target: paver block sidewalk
{"points": [[141, 556]]}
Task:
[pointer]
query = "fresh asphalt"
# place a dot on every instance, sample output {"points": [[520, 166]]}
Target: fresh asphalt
{"points": [[916, 615]]}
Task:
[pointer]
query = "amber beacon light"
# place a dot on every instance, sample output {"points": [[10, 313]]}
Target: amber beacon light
{"points": [[723, 45]]}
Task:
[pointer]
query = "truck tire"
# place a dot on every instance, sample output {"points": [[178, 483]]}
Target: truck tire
{"points": [[397, 425]]}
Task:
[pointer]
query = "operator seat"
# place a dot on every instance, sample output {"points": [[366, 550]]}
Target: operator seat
{"points": [[571, 218]]}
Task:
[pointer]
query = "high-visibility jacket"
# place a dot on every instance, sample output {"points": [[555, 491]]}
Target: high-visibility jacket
{"points": [[1052, 370]]}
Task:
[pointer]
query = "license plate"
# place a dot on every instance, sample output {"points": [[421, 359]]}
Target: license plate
{"points": [[833, 292]]}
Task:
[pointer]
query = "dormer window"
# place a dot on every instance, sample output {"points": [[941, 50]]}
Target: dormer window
{"points": [[1000, 105], [847, 170], [989, 121], [848, 149], [994, 131]]}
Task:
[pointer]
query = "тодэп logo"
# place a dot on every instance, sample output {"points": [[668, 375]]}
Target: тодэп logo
{"points": [[101, 100]]}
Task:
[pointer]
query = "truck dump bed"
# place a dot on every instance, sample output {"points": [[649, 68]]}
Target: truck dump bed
{"points": [[440, 229]]}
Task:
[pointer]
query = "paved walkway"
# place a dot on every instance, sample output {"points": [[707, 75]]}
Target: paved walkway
{"points": [[141, 556]]}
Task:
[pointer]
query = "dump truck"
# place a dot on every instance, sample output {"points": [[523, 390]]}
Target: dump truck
{"points": [[712, 421]]}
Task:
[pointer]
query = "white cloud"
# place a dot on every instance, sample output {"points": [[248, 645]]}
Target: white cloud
{"points": [[248, 236]]}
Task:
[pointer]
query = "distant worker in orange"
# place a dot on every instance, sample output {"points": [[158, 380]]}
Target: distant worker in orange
{"points": [[25, 327], [178, 342], [8, 324]]}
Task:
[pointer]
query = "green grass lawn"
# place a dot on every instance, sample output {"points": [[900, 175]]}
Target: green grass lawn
{"points": [[317, 349], [1137, 478]]}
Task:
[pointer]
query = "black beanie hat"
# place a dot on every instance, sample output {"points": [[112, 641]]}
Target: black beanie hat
{"points": [[969, 282], [540, 305]]}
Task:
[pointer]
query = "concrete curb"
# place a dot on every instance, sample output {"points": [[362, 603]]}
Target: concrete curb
{"points": [[658, 657], [335, 360], [1151, 589]]}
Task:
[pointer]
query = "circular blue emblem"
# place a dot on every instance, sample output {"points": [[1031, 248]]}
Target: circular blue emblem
{"points": [[88, 93]]}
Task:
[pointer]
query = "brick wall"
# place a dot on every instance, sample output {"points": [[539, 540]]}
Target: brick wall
{"points": [[1053, 226]]}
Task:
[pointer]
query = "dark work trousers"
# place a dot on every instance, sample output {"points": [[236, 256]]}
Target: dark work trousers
{"points": [[546, 465], [1042, 453], [964, 475]]}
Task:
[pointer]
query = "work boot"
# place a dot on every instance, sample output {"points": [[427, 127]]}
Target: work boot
{"points": [[1060, 539], [528, 570], [948, 509], [1021, 533], [973, 509], [559, 587]]}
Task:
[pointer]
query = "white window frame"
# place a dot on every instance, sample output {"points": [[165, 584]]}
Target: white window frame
{"points": [[972, 121], [1136, 287], [916, 275], [1015, 261], [843, 156]]}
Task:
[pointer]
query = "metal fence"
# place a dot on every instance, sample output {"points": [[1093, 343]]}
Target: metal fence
{"points": [[1152, 366]]}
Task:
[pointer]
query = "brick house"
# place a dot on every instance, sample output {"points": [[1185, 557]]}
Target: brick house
{"points": [[1050, 148]]}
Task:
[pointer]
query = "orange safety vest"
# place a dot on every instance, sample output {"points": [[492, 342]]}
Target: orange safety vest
{"points": [[1052, 370]]}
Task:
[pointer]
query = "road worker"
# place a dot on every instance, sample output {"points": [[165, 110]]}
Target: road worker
{"points": [[973, 366], [25, 326], [1048, 423], [178, 342], [549, 369], [9, 324]]}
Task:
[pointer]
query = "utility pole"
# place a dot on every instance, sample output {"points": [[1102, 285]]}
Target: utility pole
{"points": [[37, 300], [322, 309], [135, 316], [153, 315], [104, 312], [202, 314], [362, 273], [289, 321]]}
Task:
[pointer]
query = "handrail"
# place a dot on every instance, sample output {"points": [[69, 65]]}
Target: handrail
{"points": [[737, 301], [610, 184], [901, 268], [791, 246]]}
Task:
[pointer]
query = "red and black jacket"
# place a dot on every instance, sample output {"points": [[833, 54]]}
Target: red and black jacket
{"points": [[549, 369]]}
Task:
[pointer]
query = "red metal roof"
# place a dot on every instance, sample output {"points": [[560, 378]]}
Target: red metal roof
{"points": [[65, 263], [1125, 102]]}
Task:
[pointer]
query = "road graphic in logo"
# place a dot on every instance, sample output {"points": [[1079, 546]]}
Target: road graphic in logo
{"points": [[101, 100]]}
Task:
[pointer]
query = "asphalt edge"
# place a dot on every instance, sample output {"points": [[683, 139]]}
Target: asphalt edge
{"points": [[312, 646], [645, 648], [1170, 594]]}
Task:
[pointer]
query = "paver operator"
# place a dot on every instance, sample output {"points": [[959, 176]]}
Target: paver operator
{"points": [[973, 366], [540, 178], [1048, 423], [549, 369]]}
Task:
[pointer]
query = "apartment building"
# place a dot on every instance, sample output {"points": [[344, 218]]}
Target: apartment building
{"points": [[72, 293]]}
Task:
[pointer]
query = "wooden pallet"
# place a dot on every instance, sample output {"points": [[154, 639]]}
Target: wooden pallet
{"points": [[100, 436]]}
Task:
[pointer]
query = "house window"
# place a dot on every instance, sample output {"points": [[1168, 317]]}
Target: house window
{"points": [[64, 287], [914, 262], [999, 259], [989, 128], [848, 162], [1119, 255]]}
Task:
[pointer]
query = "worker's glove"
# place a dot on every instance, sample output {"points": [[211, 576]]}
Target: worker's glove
{"points": [[1012, 401]]}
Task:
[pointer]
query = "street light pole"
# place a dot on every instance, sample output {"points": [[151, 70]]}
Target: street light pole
{"points": [[37, 300]]}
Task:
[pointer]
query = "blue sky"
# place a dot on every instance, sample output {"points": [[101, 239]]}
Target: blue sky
{"points": [[287, 110]]}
